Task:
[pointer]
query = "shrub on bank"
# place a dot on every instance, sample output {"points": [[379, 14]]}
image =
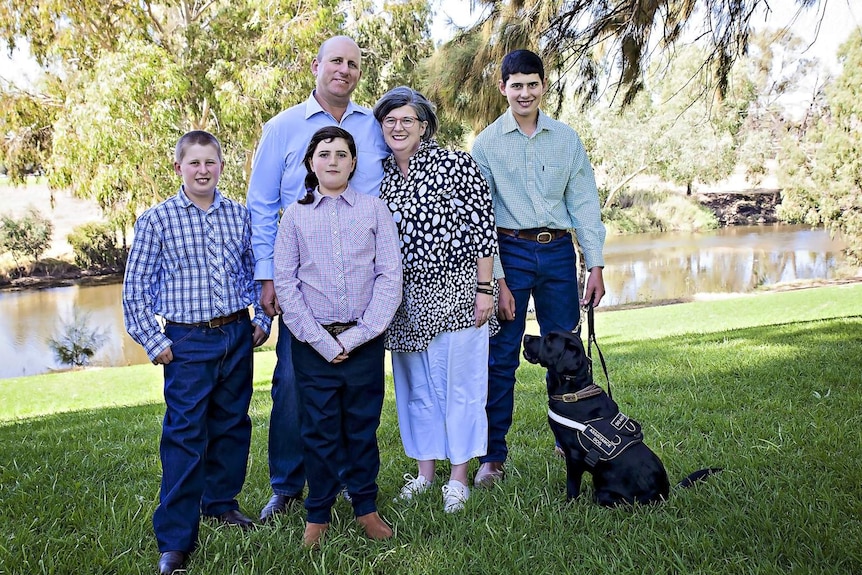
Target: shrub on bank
{"points": [[638, 211], [95, 247], [25, 239]]}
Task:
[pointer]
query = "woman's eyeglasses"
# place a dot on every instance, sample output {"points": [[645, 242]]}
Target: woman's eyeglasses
{"points": [[407, 122]]}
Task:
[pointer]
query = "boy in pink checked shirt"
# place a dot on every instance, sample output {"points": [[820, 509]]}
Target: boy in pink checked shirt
{"points": [[337, 256]]}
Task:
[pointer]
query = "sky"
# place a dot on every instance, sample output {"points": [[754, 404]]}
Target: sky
{"points": [[840, 19]]}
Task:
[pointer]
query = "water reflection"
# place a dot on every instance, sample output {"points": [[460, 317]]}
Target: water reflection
{"points": [[641, 268], [652, 267], [27, 319]]}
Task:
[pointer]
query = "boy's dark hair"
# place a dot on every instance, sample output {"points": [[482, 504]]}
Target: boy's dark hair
{"points": [[326, 134], [199, 137], [522, 62]]}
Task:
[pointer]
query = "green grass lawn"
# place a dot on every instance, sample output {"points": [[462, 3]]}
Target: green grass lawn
{"points": [[766, 386]]}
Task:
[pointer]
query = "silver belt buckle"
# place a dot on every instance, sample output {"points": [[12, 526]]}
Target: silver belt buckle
{"points": [[544, 237]]}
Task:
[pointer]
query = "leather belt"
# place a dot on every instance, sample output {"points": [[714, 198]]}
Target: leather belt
{"points": [[337, 328], [214, 322], [541, 235]]}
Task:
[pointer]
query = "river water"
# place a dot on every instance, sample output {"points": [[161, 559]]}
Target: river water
{"points": [[639, 268]]}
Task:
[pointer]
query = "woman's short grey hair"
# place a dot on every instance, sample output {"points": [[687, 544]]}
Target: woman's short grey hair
{"points": [[406, 96]]}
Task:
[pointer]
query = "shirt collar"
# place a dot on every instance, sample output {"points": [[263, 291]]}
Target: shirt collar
{"points": [[510, 124], [186, 202], [349, 196], [312, 107]]}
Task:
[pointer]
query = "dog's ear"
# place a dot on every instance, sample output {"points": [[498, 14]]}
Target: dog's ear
{"points": [[574, 360], [551, 350]]}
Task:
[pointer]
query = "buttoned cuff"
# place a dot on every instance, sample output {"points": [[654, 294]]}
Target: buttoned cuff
{"points": [[156, 345], [263, 270], [498, 268]]}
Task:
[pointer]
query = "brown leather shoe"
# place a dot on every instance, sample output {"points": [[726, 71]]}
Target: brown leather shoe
{"points": [[171, 561], [489, 474], [278, 504], [314, 534], [235, 518], [375, 527]]}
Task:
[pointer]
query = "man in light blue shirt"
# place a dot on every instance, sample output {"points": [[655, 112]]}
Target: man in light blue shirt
{"points": [[542, 186], [277, 180]]}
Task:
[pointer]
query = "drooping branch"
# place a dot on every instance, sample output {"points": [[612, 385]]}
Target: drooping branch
{"points": [[586, 44]]}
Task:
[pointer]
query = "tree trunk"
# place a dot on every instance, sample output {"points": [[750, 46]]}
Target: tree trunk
{"points": [[613, 195]]}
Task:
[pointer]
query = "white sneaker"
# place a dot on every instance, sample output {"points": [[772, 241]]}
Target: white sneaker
{"points": [[455, 494], [413, 487]]}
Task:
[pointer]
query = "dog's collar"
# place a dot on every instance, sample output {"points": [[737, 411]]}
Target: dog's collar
{"points": [[591, 390], [565, 421]]}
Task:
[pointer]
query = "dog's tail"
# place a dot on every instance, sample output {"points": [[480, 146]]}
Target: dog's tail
{"points": [[698, 476]]}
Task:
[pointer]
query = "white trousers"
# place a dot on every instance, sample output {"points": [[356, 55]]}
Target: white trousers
{"points": [[440, 394]]}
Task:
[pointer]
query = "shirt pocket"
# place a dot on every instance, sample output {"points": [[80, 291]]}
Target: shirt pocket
{"points": [[554, 178], [361, 235], [232, 251]]}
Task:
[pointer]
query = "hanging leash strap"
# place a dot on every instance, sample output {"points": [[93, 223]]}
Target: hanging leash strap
{"points": [[591, 340]]}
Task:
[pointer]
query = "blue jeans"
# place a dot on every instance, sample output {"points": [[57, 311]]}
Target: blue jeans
{"points": [[206, 431], [547, 272], [341, 405], [286, 469]]}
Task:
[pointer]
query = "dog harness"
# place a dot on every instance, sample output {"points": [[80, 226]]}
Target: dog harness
{"points": [[604, 438]]}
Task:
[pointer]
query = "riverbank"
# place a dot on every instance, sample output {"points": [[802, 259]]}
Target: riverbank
{"points": [[66, 212]]}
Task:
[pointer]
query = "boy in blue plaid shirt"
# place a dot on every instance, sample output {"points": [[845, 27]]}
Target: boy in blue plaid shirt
{"points": [[191, 264]]}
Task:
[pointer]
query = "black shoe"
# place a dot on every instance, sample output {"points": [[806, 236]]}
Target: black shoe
{"points": [[171, 561], [235, 518], [278, 504]]}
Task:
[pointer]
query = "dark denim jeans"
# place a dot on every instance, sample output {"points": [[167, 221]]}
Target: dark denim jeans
{"points": [[547, 272], [341, 406], [206, 431], [286, 468]]}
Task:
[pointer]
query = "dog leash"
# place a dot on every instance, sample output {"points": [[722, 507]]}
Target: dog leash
{"points": [[591, 340]]}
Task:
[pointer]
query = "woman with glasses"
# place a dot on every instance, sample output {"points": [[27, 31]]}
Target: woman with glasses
{"points": [[439, 336]]}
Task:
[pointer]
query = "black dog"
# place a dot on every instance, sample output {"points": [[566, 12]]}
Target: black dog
{"points": [[594, 435]]}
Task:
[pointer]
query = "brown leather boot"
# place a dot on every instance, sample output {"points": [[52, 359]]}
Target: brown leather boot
{"points": [[489, 474], [314, 534], [375, 527]]}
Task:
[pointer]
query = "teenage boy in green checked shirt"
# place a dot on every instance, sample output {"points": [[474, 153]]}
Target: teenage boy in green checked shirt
{"points": [[542, 186]]}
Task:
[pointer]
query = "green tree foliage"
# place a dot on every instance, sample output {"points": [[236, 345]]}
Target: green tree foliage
{"points": [[114, 141], [677, 127], [72, 32], [778, 65], [138, 75], [821, 172], [25, 238], [26, 127], [583, 42], [396, 41]]}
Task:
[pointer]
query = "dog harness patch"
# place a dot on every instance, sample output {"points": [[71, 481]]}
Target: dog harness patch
{"points": [[605, 438]]}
